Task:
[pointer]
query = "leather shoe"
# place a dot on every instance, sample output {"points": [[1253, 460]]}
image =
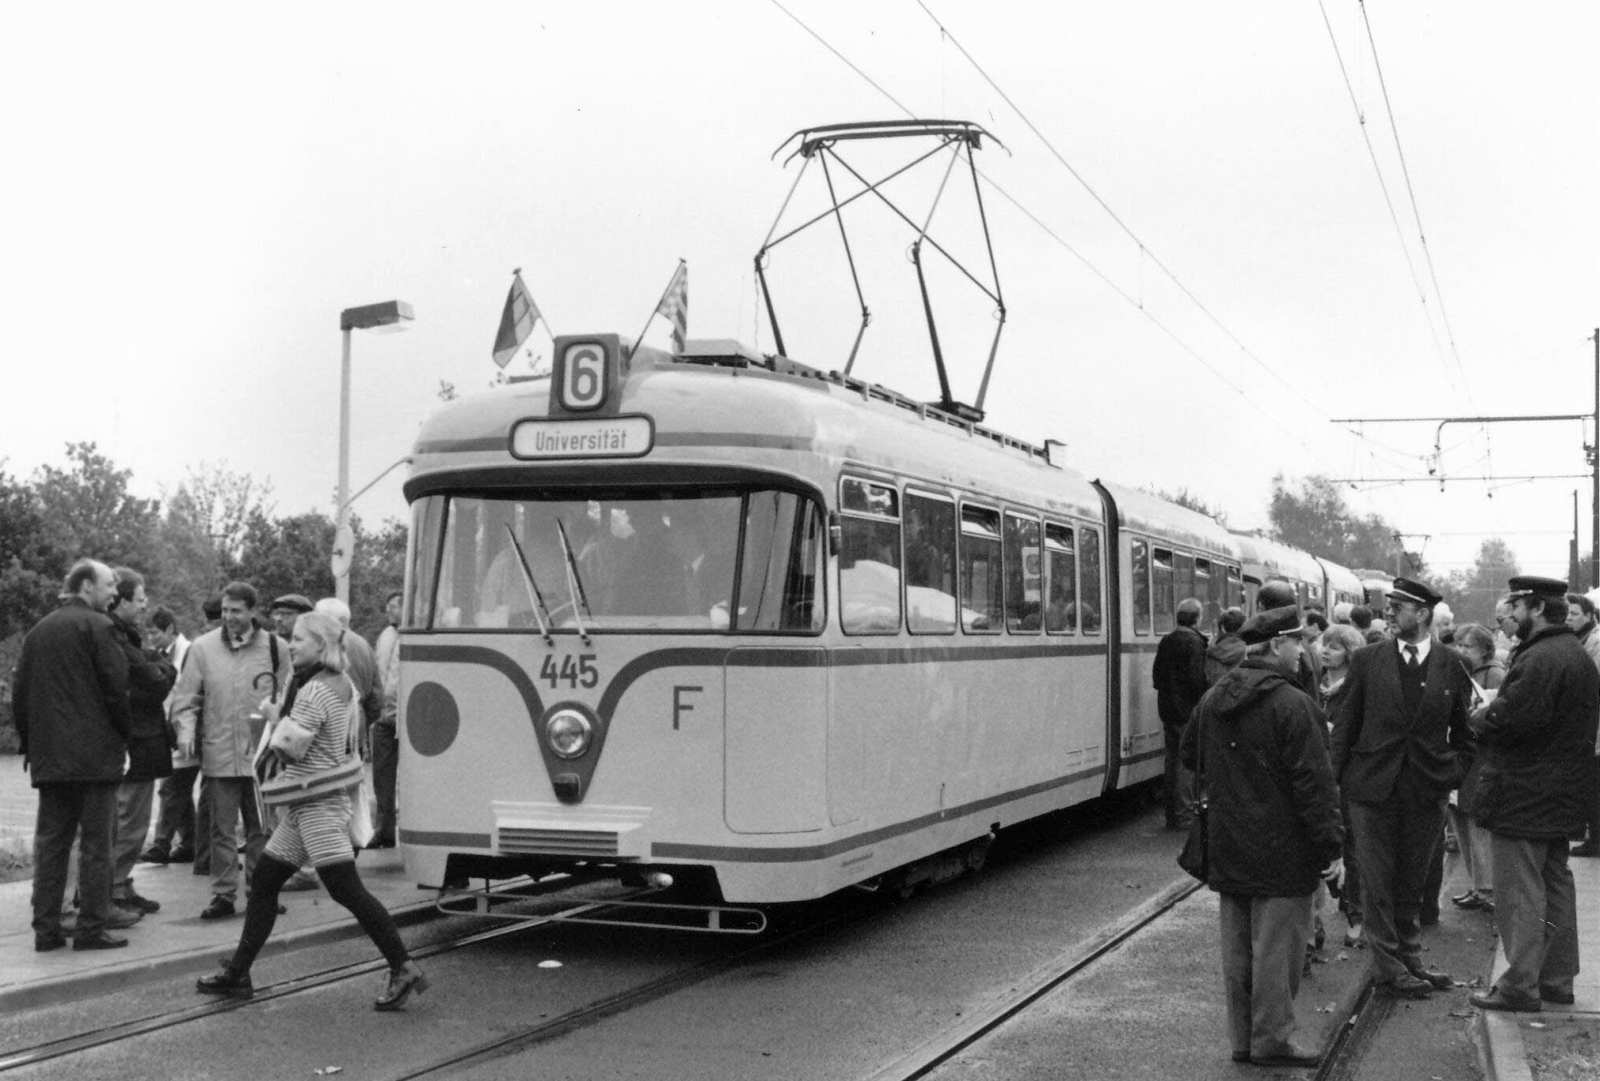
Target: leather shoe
{"points": [[1496, 999], [101, 941], [135, 903], [154, 855], [227, 983], [1475, 900], [1241, 1056], [220, 908], [120, 918], [1439, 981], [52, 941], [1406, 986], [1290, 1054], [1588, 848], [181, 855], [402, 981], [1559, 998]]}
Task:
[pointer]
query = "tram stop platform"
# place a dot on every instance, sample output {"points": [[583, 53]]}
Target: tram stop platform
{"points": [[174, 940]]}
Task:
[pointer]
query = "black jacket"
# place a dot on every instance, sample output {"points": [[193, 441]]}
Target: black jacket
{"points": [[1179, 675], [1373, 737], [150, 677], [1272, 805], [70, 700], [1536, 739]]}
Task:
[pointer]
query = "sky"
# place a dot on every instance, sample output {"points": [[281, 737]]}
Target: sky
{"points": [[1205, 227]]}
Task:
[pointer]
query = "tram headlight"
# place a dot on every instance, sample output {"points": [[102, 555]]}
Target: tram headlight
{"points": [[568, 733]]}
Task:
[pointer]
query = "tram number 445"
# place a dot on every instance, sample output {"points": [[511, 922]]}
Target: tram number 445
{"points": [[579, 671]]}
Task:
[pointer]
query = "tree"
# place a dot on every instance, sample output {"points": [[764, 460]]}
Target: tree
{"points": [[378, 569], [87, 510], [288, 555], [25, 594], [1472, 595], [1317, 519], [1185, 498]]}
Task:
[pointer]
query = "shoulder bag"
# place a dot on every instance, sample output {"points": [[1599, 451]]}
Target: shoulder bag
{"points": [[1196, 856], [284, 789]]}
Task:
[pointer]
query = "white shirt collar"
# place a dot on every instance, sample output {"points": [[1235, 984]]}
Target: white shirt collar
{"points": [[1422, 648]]}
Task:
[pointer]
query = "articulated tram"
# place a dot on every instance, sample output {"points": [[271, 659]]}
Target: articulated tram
{"points": [[725, 617]]}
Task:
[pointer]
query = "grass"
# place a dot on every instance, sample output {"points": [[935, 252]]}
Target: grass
{"points": [[16, 858], [1565, 1049]]}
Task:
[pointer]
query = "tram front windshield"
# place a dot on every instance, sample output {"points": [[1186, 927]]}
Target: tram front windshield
{"points": [[632, 560]]}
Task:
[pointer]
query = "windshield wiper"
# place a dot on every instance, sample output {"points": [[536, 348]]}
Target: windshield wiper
{"points": [[580, 599], [534, 596]]}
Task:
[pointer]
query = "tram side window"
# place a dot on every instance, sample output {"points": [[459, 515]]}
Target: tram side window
{"points": [[1089, 602], [782, 567], [1234, 594], [1183, 576], [1024, 565], [1061, 580], [869, 557], [930, 565], [981, 580], [1205, 592], [1161, 582], [427, 515], [1139, 571]]}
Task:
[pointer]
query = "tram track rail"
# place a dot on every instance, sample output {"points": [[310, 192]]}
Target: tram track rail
{"points": [[927, 1057], [132, 1028]]}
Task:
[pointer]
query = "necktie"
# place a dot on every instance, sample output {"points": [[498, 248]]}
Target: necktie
{"points": [[1411, 656]]}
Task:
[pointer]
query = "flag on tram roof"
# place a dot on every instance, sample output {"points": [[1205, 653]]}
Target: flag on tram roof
{"points": [[675, 305], [516, 322]]}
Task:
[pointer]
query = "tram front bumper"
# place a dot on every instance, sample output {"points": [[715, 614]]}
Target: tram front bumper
{"points": [[554, 829]]}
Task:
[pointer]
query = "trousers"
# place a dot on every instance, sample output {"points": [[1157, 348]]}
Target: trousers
{"points": [[230, 799], [134, 799], [175, 824], [1536, 913], [66, 812], [1263, 952], [1395, 843]]}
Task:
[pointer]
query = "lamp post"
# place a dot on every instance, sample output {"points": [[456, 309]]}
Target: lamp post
{"points": [[391, 315]]}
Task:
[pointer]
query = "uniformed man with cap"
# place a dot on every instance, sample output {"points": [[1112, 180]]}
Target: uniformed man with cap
{"points": [[1396, 739], [1534, 740], [1272, 809]]}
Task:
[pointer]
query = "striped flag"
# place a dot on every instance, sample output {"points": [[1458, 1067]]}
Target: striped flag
{"points": [[675, 305], [516, 322]]}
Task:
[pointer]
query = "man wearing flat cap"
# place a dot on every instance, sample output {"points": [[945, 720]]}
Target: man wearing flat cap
{"points": [[1257, 745], [1396, 740], [285, 610], [1535, 740]]}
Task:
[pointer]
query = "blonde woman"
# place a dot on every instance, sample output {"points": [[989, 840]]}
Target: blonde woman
{"points": [[317, 830], [1334, 647]]}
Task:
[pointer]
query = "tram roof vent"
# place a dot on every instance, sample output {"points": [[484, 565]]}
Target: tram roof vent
{"points": [[720, 351]]}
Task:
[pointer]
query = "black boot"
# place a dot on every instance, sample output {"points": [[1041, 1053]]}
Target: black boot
{"points": [[228, 983]]}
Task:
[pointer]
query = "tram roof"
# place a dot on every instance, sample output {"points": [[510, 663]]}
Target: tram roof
{"points": [[779, 405], [1272, 557], [1152, 514]]}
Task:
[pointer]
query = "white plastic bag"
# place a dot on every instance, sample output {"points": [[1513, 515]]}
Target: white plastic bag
{"points": [[362, 803]]}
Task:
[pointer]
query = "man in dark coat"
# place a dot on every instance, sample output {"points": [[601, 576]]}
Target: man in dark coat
{"points": [[1535, 740], [1179, 675], [71, 707], [1396, 737], [1256, 743], [150, 677]]}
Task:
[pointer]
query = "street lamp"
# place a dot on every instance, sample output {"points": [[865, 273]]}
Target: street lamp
{"points": [[390, 315]]}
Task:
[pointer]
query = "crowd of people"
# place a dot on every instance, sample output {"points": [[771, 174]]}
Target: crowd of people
{"points": [[145, 745], [1344, 756]]}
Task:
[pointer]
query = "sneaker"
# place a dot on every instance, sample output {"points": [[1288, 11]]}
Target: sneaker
{"points": [[154, 854]]}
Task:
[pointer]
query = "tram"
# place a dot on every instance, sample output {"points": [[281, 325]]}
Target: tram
{"points": [[730, 618]]}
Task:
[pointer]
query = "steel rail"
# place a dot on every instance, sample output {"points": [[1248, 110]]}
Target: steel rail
{"points": [[140, 1026], [940, 1049]]}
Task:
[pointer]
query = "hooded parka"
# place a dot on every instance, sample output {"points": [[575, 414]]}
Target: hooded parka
{"points": [[1272, 803]]}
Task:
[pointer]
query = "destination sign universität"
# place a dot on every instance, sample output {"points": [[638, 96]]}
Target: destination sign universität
{"points": [[612, 437]]}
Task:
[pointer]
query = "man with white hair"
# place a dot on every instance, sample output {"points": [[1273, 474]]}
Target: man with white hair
{"points": [[362, 667], [1444, 624]]}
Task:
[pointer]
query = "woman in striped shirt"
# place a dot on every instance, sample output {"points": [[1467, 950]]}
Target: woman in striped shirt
{"points": [[316, 830]]}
